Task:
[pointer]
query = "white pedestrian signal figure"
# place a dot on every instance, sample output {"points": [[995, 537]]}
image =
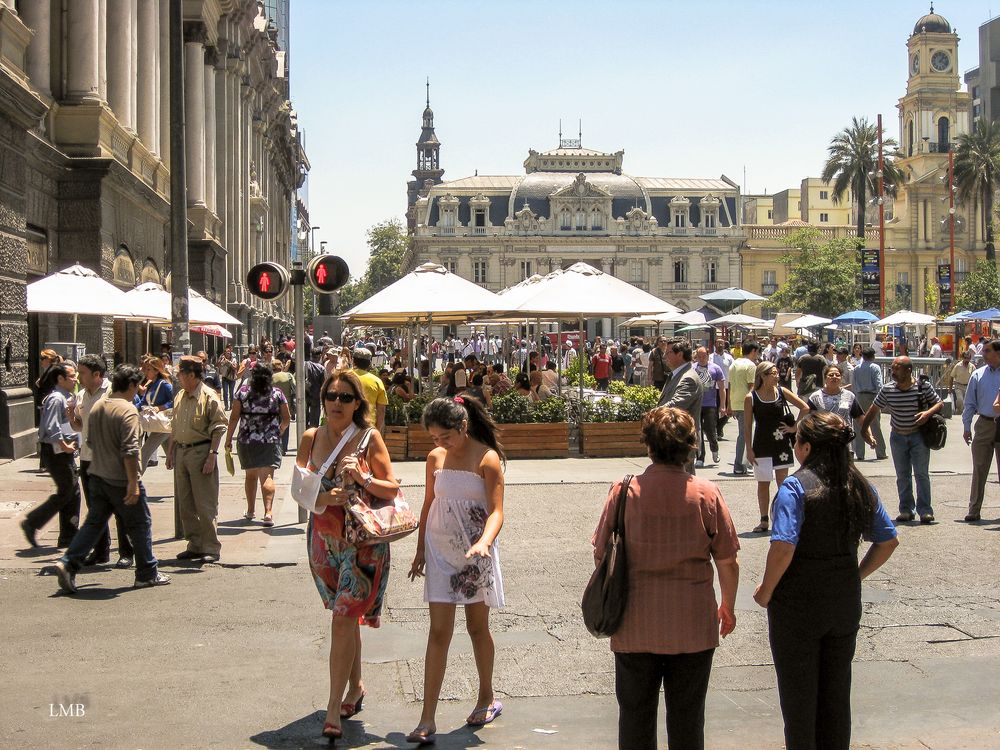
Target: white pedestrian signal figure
{"points": [[265, 282], [321, 274]]}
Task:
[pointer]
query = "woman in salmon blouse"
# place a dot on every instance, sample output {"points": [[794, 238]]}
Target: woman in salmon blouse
{"points": [[676, 525]]}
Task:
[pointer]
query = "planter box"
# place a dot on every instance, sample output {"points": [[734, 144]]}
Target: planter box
{"points": [[419, 443], [611, 439], [519, 441], [546, 440], [395, 438]]}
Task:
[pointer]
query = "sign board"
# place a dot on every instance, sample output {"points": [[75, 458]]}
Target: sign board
{"points": [[870, 296], [565, 339], [944, 284]]}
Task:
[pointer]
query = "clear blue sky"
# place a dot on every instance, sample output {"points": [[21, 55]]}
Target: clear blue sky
{"points": [[687, 89]]}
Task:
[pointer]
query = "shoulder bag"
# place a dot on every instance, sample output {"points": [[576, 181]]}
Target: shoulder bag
{"points": [[372, 520], [151, 420], [606, 594], [306, 483], [935, 430]]}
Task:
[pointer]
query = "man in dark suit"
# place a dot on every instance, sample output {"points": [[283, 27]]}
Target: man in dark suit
{"points": [[684, 388]]}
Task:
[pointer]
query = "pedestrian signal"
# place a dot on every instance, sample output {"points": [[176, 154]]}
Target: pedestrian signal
{"points": [[267, 280], [327, 273]]}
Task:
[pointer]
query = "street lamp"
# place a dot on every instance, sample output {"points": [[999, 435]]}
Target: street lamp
{"points": [[312, 240]]}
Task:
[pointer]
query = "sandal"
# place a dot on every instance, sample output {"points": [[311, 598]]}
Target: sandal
{"points": [[347, 710], [421, 736], [488, 713], [268, 521], [248, 516], [331, 732], [762, 527]]}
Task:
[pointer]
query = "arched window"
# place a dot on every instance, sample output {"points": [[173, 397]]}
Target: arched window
{"points": [[909, 138], [943, 135], [596, 221], [122, 268], [564, 220], [581, 219]]}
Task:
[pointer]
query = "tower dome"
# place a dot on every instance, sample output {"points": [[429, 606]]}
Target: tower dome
{"points": [[932, 23]]}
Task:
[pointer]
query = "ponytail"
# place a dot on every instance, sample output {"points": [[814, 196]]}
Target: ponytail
{"points": [[449, 413]]}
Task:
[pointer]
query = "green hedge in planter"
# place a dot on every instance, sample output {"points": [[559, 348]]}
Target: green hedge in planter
{"points": [[636, 400], [573, 370], [513, 408]]}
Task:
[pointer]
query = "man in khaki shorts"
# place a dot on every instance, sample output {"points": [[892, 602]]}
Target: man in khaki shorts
{"points": [[197, 427]]}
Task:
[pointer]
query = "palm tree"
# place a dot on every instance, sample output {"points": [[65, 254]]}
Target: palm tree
{"points": [[977, 170], [852, 164]]}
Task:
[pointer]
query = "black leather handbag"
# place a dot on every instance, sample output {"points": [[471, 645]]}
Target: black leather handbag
{"points": [[606, 594], [935, 430]]}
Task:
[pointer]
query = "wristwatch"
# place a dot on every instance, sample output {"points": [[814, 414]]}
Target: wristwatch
{"points": [[368, 480]]}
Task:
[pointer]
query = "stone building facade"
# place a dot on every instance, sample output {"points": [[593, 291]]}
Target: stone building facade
{"points": [[85, 169], [676, 238]]}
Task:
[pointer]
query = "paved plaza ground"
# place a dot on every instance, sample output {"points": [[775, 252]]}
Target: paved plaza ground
{"points": [[233, 655]]}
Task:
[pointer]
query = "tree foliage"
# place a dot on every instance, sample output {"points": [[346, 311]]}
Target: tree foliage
{"points": [[977, 171], [387, 246], [980, 289], [852, 165], [821, 278]]}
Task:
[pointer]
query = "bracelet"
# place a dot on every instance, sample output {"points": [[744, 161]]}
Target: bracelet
{"points": [[214, 453], [369, 480]]}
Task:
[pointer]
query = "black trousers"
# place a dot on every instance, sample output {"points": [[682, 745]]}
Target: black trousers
{"points": [[709, 429], [102, 548], [813, 648], [684, 678], [66, 500]]}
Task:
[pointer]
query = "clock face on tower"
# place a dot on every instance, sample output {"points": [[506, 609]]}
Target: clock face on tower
{"points": [[915, 64], [940, 61]]}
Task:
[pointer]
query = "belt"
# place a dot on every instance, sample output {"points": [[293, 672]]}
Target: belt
{"points": [[192, 445]]}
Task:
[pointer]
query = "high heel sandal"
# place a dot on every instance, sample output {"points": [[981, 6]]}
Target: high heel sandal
{"points": [[331, 732], [347, 710]]}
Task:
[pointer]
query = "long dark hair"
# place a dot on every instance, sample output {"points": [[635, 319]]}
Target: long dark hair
{"points": [[840, 481], [260, 379], [448, 414]]}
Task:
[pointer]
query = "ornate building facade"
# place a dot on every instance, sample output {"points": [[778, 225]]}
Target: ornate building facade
{"points": [[933, 112], [676, 238], [85, 166]]}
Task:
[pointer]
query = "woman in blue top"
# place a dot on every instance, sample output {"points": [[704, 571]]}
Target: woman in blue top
{"points": [[812, 581], [156, 394]]}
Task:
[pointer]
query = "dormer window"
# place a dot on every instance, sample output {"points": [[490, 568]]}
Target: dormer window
{"points": [[709, 206], [480, 206], [581, 219], [565, 222], [680, 208], [596, 220]]}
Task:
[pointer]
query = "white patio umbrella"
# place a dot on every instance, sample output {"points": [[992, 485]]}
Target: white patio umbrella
{"points": [[905, 318], [582, 291], [693, 318], [807, 321], [656, 319], [737, 319], [213, 330], [76, 291], [151, 304], [429, 293]]}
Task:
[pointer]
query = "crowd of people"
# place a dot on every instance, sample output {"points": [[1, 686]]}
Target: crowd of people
{"points": [[811, 405]]}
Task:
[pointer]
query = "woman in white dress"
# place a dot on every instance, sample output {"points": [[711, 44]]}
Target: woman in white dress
{"points": [[457, 550]]}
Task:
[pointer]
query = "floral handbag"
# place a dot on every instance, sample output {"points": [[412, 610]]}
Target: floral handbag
{"points": [[372, 520]]}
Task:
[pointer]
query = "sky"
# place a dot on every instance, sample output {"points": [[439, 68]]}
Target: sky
{"points": [[687, 89]]}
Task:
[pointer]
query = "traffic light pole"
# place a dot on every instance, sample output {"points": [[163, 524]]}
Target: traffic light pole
{"points": [[298, 278]]}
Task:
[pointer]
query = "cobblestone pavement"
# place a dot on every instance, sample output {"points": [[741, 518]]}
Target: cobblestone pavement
{"points": [[233, 655]]}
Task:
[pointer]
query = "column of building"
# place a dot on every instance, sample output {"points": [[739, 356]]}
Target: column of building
{"points": [[83, 69], [163, 91], [222, 123], [37, 17], [208, 72], [194, 112], [147, 85], [121, 76]]}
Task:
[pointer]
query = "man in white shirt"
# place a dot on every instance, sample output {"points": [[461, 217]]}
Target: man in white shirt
{"points": [[936, 347]]}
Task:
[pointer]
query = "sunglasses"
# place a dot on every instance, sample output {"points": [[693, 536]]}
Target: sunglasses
{"points": [[344, 398]]}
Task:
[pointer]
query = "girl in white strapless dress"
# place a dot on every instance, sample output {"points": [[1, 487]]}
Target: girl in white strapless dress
{"points": [[457, 548]]}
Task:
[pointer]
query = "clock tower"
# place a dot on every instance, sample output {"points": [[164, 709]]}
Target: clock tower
{"points": [[934, 110]]}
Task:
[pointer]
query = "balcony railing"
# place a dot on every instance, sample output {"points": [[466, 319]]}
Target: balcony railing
{"points": [[479, 231], [936, 147], [768, 232], [768, 289], [446, 230]]}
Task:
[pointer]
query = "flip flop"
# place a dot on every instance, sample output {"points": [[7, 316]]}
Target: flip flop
{"points": [[421, 736], [268, 521], [489, 713]]}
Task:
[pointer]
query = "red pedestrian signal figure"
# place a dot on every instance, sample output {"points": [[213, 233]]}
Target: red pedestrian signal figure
{"points": [[327, 273], [267, 280]]}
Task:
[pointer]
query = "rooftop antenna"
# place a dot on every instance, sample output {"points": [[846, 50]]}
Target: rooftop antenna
{"points": [[428, 91], [560, 130], [580, 132]]}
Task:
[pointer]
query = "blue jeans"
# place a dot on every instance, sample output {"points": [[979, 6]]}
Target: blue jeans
{"points": [[107, 500], [911, 456], [741, 444], [227, 393]]}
